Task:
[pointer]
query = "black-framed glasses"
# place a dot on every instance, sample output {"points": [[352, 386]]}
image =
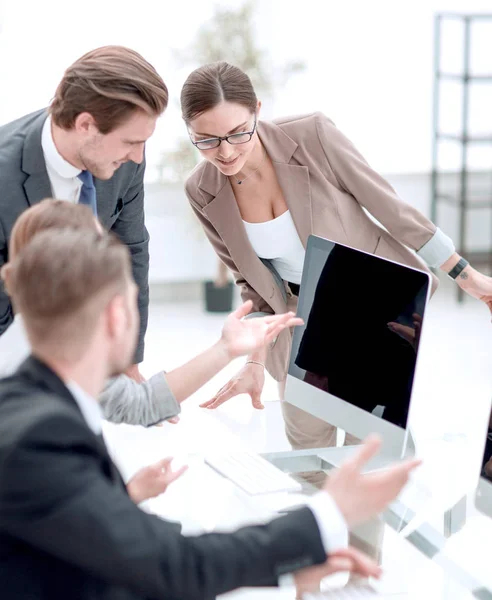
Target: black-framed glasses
{"points": [[235, 139]]}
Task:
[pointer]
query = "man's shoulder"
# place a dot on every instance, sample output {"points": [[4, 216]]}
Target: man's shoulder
{"points": [[27, 410], [13, 134], [12, 139]]}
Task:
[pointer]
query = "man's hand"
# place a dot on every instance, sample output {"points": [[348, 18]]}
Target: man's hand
{"points": [[360, 497], [153, 480], [134, 373], [241, 337], [347, 559]]}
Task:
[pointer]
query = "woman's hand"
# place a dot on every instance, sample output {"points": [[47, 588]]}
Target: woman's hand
{"points": [[250, 380], [476, 284], [244, 336], [471, 281], [153, 480], [410, 334]]}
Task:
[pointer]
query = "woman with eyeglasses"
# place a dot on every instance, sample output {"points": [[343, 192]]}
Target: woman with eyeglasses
{"points": [[264, 187]]}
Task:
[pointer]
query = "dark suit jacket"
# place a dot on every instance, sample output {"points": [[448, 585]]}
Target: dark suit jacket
{"points": [[69, 530], [24, 181]]}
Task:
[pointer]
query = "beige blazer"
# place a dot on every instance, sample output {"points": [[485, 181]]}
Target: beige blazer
{"points": [[327, 185]]}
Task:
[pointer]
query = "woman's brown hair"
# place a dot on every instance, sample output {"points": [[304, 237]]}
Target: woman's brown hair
{"points": [[211, 84]]}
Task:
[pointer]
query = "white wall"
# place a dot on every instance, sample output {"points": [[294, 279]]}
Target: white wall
{"points": [[369, 62], [370, 67]]}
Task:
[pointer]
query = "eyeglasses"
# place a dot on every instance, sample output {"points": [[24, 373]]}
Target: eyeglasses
{"points": [[234, 139]]}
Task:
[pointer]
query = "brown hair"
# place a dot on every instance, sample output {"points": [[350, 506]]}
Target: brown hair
{"points": [[212, 84], [109, 83], [61, 282], [48, 214]]}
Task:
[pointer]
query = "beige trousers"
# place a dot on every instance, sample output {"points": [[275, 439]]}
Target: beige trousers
{"points": [[305, 431]]}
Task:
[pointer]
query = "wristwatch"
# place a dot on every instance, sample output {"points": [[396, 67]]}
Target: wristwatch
{"points": [[456, 270]]}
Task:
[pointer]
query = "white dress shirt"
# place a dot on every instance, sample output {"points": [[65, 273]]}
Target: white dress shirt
{"points": [[89, 407], [65, 185]]}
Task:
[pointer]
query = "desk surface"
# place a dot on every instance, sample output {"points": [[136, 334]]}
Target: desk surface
{"points": [[408, 572]]}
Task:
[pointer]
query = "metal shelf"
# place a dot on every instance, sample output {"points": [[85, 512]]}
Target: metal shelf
{"points": [[465, 139], [463, 198], [483, 78], [466, 16], [477, 202]]}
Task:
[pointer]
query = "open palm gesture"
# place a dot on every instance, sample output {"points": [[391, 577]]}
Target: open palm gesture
{"points": [[245, 336]]}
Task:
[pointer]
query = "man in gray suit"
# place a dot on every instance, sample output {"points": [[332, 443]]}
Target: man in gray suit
{"points": [[88, 147]]}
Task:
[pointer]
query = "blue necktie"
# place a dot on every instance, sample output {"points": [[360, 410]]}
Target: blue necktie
{"points": [[88, 191]]}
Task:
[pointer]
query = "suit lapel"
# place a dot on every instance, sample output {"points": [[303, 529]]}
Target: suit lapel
{"points": [[294, 181], [37, 185], [224, 214], [111, 468], [37, 188]]}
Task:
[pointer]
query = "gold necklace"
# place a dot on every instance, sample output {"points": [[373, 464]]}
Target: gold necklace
{"points": [[240, 181]]}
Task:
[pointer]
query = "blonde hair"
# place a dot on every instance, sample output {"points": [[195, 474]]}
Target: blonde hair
{"points": [[48, 214], [61, 281]]}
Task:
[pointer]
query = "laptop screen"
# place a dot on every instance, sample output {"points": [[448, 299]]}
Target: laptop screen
{"points": [[363, 318]]}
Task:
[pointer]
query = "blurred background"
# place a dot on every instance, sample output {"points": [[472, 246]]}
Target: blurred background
{"points": [[368, 65]]}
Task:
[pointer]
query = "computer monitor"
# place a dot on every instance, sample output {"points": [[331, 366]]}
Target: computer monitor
{"points": [[353, 362], [483, 495]]}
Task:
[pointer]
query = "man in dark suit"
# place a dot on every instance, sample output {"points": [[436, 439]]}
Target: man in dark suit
{"points": [[67, 526], [88, 147]]}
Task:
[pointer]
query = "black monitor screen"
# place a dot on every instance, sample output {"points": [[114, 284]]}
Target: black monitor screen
{"points": [[486, 470], [363, 318]]}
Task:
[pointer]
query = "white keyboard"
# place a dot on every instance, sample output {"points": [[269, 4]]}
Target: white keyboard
{"points": [[252, 473], [349, 592]]}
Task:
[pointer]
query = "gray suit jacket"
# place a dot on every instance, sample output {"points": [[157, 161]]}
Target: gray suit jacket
{"points": [[24, 181]]}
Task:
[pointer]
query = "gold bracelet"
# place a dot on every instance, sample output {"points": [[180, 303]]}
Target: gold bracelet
{"points": [[255, 362]]}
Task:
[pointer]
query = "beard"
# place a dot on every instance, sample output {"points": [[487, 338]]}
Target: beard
{"points": [[100, 171]]}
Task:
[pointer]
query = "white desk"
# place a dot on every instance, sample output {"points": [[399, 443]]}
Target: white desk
{"points": [[222, 506]]}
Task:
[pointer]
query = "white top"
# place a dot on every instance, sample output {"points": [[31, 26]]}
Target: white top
{"points": [[279, 241], [65, 185]]}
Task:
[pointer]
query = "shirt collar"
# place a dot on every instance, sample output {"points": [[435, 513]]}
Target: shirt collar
{"points": [[54, 160], [89, 407]]}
